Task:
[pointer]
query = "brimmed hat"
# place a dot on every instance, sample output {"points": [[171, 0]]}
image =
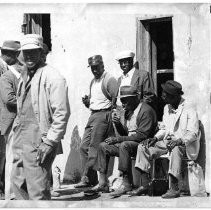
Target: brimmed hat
{"points": [[125, 54], [95, 60], [127, 91], [11, 45], [32, 41], [172, 87]]}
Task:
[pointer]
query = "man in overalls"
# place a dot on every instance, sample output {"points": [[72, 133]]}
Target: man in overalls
{"points": [[42, 116]]}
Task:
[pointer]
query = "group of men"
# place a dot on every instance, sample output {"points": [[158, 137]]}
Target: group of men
{"points": [[130, 128], [123, 122]]}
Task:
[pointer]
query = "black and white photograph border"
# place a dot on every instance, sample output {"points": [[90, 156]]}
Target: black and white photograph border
{"points": [[171, 41]]}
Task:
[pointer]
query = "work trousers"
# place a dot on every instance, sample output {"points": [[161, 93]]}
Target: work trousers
{"points": [[98, 128], [176, 156], [124, 151], [8, 166]]}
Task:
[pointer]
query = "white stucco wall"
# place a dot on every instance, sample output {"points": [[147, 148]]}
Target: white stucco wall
{"points": [[79, 31]]}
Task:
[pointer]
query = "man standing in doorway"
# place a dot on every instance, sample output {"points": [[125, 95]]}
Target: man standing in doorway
{"points": [[136, 77], [42, 116], [103, 90]]}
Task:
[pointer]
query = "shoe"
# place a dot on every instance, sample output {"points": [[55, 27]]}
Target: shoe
{"points": [[55, 194], [171, 194], [2, 196], [139, 191], [83, 183], [96, 189], [124, 188]]}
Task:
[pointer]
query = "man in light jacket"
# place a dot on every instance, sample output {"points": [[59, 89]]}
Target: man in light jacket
{"points": [[178, 134], [42, 115]]}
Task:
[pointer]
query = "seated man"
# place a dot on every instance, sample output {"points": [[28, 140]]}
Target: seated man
{"points": [[140, 124], [178, 135]]}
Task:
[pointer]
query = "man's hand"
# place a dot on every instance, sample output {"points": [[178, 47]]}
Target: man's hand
{"points": [[86, 101], [112, 140], [116, 117], [43, 151], [173, 143], [150, 142]]}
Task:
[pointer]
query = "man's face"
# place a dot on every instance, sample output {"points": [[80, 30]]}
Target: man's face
{"points": [[32, 58], [167, 98], [129, 103], [97, 70], [126, 64], [10, 57]]}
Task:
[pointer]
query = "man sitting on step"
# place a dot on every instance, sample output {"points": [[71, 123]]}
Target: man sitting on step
{"points": [[178, 135], [140, 124]]}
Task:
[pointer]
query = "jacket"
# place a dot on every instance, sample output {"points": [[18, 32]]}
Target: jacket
{"points": [[146, 124], [9, 84], [143, 82], [185, 126], [49, 95]]}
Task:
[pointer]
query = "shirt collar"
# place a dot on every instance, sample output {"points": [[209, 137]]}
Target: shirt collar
{"points": [[14, 71], [129, 74], [181, 104]]}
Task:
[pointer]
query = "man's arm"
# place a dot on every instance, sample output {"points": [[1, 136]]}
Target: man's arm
{"points": [[192, 129], [7, 91], [59, 104]]}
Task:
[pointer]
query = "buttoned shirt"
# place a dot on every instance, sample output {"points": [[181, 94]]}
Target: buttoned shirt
{"points": [[131, 123], [125, 81], [98, 100]]}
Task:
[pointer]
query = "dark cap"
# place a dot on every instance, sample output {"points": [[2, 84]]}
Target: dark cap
{"points": [[172, 87], [95, 60], [127, 91], [11, 45]]}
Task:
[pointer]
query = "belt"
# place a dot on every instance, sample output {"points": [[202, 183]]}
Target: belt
{"points": [[102, 110]]}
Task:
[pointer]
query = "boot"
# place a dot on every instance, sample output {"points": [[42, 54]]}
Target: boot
{"points": [[173, 192], [124, 187], [101, 187], [83, 183], [142, 190]]}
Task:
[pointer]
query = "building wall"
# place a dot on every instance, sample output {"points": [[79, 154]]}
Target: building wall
{"points": [[79, 31]]}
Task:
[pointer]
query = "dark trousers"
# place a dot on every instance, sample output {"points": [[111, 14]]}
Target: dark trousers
{"points": [[96, 131], [124, 151], [2, 162]]}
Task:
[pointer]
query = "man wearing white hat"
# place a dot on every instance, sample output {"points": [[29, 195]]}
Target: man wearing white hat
{"points": [[132, 75], [42, 115]]}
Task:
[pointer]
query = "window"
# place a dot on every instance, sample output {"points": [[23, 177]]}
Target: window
{"points": [[38, 24], [155, 52]]}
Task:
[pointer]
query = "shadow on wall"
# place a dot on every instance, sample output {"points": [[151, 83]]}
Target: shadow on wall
{"points": [[202, 152], [73, 170]]}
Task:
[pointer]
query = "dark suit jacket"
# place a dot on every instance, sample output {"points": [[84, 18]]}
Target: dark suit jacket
{"points": [[142, 80], [8, 84], [146, 122]]}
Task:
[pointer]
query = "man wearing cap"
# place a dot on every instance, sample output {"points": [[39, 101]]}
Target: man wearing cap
{"points": [[9, 80], [42, 115], [140, 122], [178, 134], [103, 90], [136, 77]]}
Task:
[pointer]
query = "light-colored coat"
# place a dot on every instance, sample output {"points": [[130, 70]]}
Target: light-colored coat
{"points": [[49, 95], [185, 126]]}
